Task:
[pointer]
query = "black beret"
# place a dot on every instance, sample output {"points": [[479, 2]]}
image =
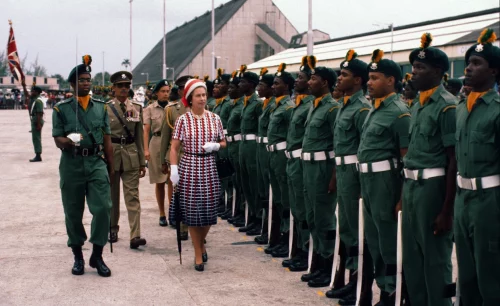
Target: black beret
{"points": [[222, 77], [305, 67], [160, 84], [327, 74], [36, 88], [430, 55], [265, 77], [235, 80], [485, 49], [285, 76], [121, 77], [356, 66], [454, 83], [80, 69], [249, 76], [384, 66]]}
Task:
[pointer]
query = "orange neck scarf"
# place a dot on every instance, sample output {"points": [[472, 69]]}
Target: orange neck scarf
{"points": [[346, 98], [219, 101], [317, 100], [245, 102], [299, 99], [265, 103], [426, 95], [472, 99], [84, 101], [379, 101], [410, 102], [278, 100]]}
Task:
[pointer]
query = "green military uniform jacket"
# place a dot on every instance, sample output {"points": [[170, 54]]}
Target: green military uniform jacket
{"points": [[432, 129], [318, 135], [296, 129], [234, 119], [127, 156], [385, 131], [250, 115], [264, 117], [36, 108], [172, 111], [223, 110], [210, 104], [349, 124], [279, 120]]}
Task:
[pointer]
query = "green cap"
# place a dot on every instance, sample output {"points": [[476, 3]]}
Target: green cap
{"points": [[384, 66], [285, 76], [325, 73], [430, 55], [265, 77], [485, 49], [305, 67], [356, 66], [160, 84], [121, 77], [249, 76], [80, 69]]}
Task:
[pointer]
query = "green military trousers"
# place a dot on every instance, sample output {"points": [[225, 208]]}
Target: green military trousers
{"points": [[85, 178], [36, 138], [295, 178], [477, 239], [263, 178], [234, 157], [248, 168], [381, 191], [320, 205], [279, 184], [226, 184], [348, 193], [426, 257]]}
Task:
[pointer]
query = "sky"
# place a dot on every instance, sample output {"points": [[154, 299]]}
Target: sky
{"points": [[59, 32]]}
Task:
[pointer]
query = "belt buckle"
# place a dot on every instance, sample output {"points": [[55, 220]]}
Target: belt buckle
{"points": [[123, 141], [85, 152], [467, 183], [287, 154]]}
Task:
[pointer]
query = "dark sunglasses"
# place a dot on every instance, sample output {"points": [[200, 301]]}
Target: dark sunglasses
{"points": [[123, 85]]}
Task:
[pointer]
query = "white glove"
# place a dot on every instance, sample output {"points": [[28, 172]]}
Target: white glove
{"points": [[174, 175], [75, 137], [211, 147]]}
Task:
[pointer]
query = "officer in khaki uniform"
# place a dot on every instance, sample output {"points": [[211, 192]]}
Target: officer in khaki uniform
{"points": [[36, 114], [125, 119], [477, 202], [429, 187], [173, 110], [348, 127], [384, 142], [318, 161]]}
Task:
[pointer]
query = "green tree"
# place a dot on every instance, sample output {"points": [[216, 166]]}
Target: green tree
{"points": [[97, 79], [63, 84], [4, 66], [126, 63]]}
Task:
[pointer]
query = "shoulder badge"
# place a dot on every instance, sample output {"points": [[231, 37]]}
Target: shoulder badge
{"points": [[449, 107], [404, 115]]}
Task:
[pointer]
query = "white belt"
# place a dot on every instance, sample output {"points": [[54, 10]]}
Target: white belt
{"points": [[380, 166], [249, 137], [318, 156], [225, 132], [478, 183], [293, 154], [426, 173], [262, 140], [233, 138], [276, 147], [350, 159]]}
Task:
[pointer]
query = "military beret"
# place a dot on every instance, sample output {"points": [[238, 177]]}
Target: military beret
{"points": [[160, 84], [285, 76], [235, 80], [36, 88], [265, 77], [429, 55], [356, 66], [121, 77], [249, 76], [384, 66], [485, 49], [407, 80], [80, 69], [208, 83], [325, 73], [304, 66], [222, 77]]}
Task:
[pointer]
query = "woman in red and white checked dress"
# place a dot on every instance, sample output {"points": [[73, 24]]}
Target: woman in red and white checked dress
{"points": [[196, 177]]}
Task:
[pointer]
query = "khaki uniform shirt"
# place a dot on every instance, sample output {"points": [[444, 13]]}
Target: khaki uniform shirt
{"points": [[172, 111]]}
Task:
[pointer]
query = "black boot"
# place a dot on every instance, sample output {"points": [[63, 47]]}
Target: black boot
{"points": [[283, 251], [250, 225], [37, 158], [301, 264], [342, 292], [257, 229], [315, 269], [79, 265], [366, 284], [295, 259], [324, 279], [97, 262], [262, 239]]}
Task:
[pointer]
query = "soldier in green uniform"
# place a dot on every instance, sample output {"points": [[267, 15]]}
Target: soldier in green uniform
{"points": [[409, 91], [81, 130], [252, 108], [173, 110], [222, 108], [129, 162], [279, 121], [477, 202], [36, 113], [97, 93], [429, 187], [295, 175], [265, 92], [318, 166], [384, 142], [233, 139], [348, 127], [453, 86], [210, 93]]}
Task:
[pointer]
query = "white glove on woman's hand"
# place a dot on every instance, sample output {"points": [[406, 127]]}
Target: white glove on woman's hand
{"points": [[174, 175], [75, 137], [211, 147]]}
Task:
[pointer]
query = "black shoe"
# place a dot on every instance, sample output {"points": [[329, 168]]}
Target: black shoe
{"points": [[287, 262], [137, 242], [245, 229], [37, 158], [350, 300], [255, 231], [184, 236], [163, 221], [78, 267], [199, 268], [269, 250], [227, 214], [323, 280], [113, 237], [262, 239], [236, 218], [98, 263], [204, 256], [347, 300], [239, 223], [300, 266], [307, 277], [282, 252], [340, 293]]}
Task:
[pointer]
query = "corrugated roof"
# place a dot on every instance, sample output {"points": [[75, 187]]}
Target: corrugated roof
{"points": [[446, 31], [184, 43]]}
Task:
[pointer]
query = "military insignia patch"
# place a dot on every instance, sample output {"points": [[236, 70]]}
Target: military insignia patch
{"points": [[313, 71], [346, 64], [260, 78], [421, 54], [374, 66], [166, 83], [278, 74], [231, 80], [301, 68], [479, 48], [124, 76], [87, 68]]}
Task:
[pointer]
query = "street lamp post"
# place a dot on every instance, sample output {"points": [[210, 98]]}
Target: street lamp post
{"points": [[164, 43], [130, 57], [173, 72], [227, 61], [147, 75], [310, 42], [103, 69], [391, 27], [212, 69]]}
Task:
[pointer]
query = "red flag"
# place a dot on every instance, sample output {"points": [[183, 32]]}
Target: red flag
{"points": [[13, 57]]}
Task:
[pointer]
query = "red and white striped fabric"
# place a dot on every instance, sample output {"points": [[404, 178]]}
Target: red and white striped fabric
{"points": [[199, 184]]}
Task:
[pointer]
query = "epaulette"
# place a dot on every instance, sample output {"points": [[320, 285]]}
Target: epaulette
{"points": [[333, 107], [289, 107], [404, 115], [448, 97], [364, 109], [448, 107], [97, 100], [172, 103], [403, 107], [137, 103]]}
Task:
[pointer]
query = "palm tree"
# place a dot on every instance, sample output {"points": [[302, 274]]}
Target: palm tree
{"points": [[126, 63]]}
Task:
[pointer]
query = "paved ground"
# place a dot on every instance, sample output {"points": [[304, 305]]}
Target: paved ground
{"points": [[35, 262]]}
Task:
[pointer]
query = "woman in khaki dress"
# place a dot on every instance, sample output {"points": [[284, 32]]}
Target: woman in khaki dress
{"points": [[153, 117]]}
